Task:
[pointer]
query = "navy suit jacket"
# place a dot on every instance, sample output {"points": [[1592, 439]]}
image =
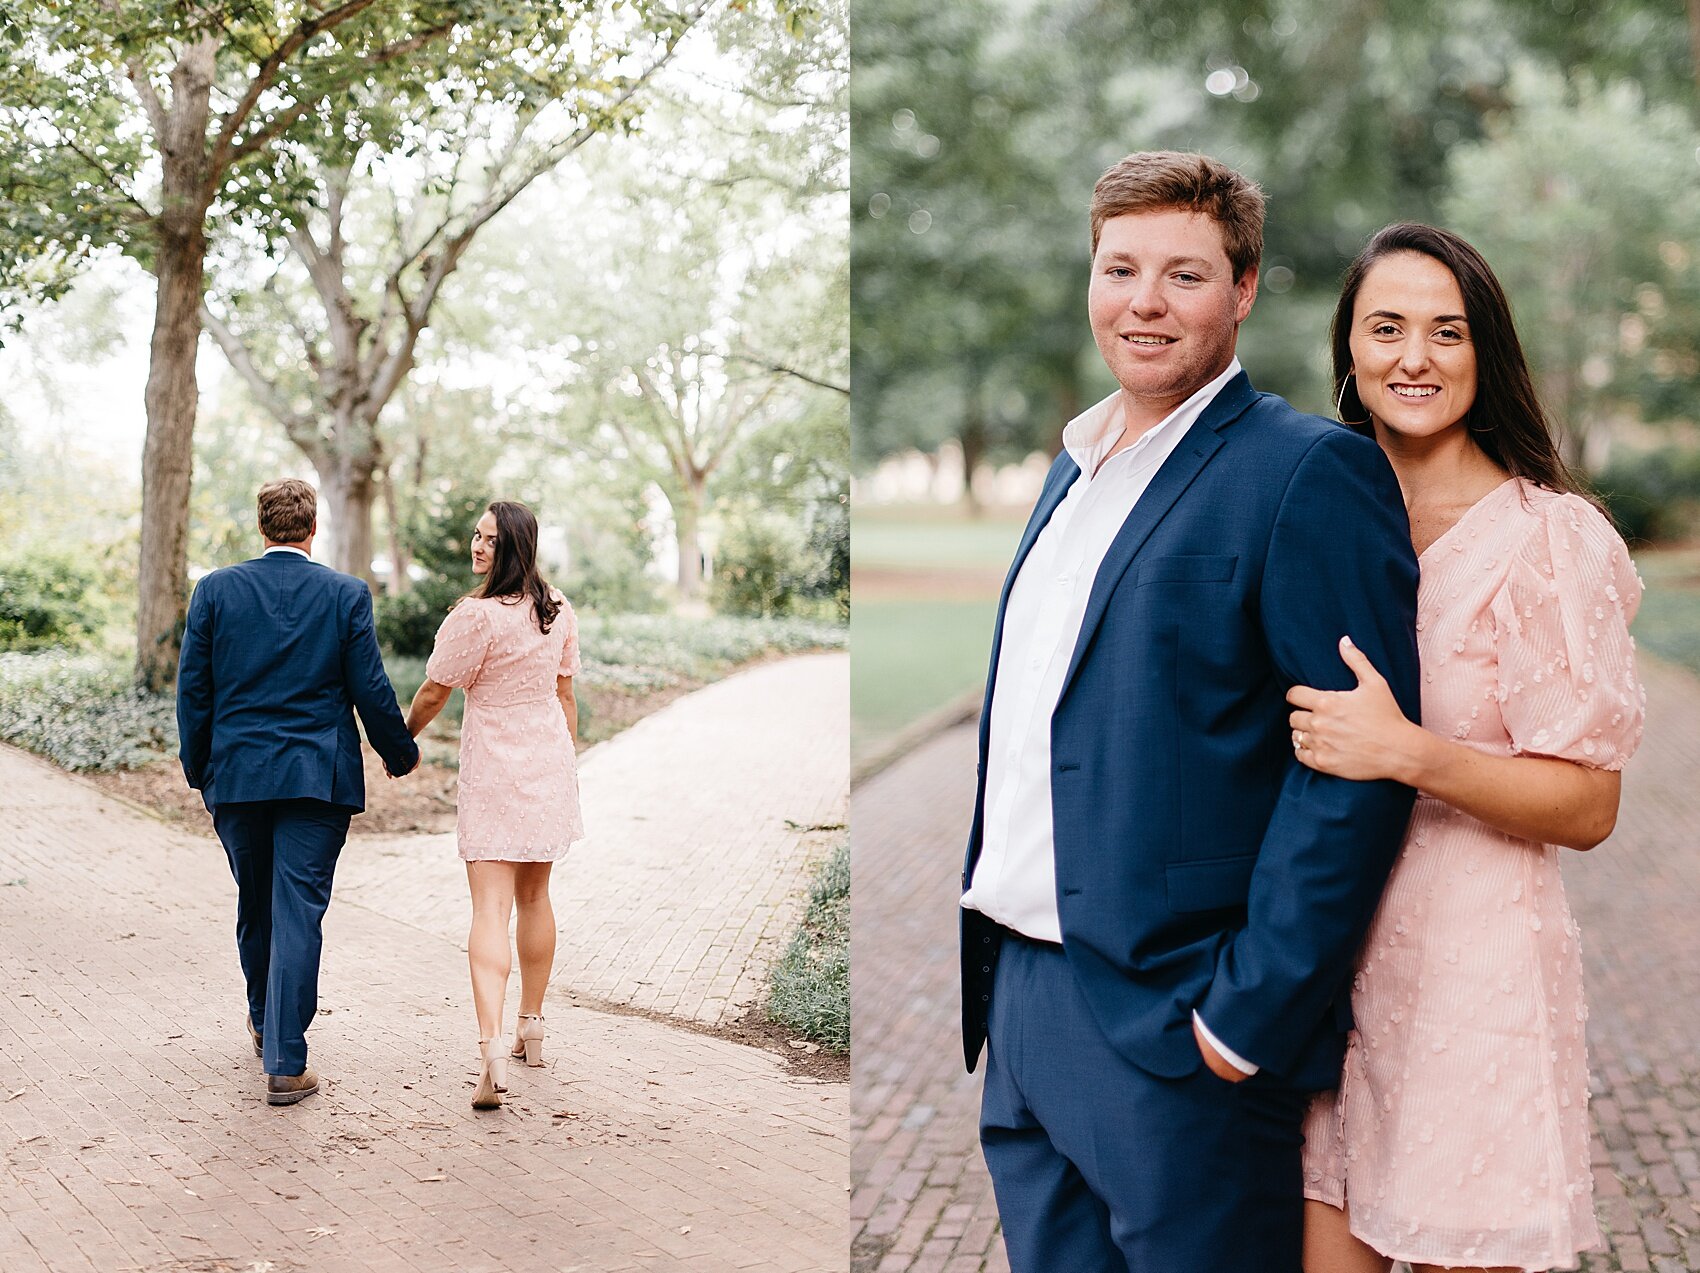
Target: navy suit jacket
{"points": [[277, 654], [1198, 864]]}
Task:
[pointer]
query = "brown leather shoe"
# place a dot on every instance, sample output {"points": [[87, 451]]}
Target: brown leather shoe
{"points": [[286, 1089], [256, 1036]]}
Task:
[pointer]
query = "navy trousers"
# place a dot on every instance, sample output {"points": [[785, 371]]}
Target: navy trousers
{"points": [[283, 854], [1100, 1167]]}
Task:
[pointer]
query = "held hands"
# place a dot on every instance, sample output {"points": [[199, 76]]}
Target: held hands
{"points": [[1360, 733]]}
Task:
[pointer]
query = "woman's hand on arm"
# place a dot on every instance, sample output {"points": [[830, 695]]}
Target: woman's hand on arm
{"points": [[430, 700], [1361, 734], [569, 704]]}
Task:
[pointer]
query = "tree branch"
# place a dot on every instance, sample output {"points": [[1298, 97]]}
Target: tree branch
{"points": [[781, 369], [297, 425], [269, 69]]}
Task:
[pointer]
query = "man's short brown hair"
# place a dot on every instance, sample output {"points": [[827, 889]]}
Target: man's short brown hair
{"points": [[1160, 180], [288, 510]]}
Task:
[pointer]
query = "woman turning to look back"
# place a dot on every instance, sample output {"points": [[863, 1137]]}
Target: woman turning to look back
{"points": [[1459, 1136], [512, 645]]}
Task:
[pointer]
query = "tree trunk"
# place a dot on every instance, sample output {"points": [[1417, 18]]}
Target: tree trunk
{"points": [[399, 582], [972, 435], [172, 394], [687, 523], [346, 483]]}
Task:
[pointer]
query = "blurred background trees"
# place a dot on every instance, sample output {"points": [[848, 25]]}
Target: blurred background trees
{"points": [[1562, 138], [589, 255]]}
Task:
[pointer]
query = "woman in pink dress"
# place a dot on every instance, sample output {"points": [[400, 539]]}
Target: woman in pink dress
{"points": [[512, 645], [1459, 1136]]}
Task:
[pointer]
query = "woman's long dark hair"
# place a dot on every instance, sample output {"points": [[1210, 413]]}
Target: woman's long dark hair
{"points": [[1506, 418], [513, 573]]}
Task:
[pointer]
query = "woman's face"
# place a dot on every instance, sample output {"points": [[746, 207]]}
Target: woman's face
{"points": [[484, 543], [1411, 349]]}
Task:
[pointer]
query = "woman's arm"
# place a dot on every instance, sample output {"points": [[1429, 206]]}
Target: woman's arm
{"points": [[1362, 734], [569, 704], [430, 700]]}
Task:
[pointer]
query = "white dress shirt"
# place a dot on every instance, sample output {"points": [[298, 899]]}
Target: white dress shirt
{"points": [[1015, 878], [287, 548]]}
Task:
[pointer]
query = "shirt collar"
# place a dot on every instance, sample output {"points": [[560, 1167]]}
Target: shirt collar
{"points": [[1092, 432], [285, 548]]}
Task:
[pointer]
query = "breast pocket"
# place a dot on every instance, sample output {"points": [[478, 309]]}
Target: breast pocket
{"points": [[1211, 569]]}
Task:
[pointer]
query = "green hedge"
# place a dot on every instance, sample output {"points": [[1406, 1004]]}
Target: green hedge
{"points": [[46, 602], [82, 714]]}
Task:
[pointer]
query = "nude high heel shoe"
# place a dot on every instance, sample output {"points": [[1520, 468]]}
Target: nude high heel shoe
{"points": [[528, 1039], [492, 1076]]}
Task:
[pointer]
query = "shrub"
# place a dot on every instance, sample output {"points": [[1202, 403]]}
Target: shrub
{"points": [[809, 991], [45, 602], [82, 713], [1653, 495], [407, 624], [761, 567]]}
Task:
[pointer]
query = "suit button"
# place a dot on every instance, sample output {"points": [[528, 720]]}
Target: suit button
{"points": [[987, 968], [987, 940], [985, 998]]}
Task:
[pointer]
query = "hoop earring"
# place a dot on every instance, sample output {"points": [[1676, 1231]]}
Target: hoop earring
{"points": [[1340, 403]]}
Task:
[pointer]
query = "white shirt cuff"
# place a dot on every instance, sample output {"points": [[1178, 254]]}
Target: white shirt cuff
{"points": [[1232, 1057]]}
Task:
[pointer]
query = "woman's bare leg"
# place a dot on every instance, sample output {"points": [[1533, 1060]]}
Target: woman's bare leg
{"points": [[535, 934], [1330, 1246], [487, 949]]}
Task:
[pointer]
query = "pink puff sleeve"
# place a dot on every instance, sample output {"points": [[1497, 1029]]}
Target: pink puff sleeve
{"points": [[571, 663], [1567, 681], [462, 642]]}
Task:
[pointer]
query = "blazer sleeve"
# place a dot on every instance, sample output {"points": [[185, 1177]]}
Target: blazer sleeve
{"points": [[195, 691], [1340, 563], [371, 692]]}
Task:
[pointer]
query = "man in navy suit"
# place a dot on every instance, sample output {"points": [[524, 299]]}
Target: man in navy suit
{"points": [[278, 653], [1161, 905]]}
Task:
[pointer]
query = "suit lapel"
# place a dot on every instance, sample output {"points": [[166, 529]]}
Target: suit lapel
{"points": [[1186, 462]]}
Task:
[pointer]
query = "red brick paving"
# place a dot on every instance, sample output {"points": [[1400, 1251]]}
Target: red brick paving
{"points": [[133, 1135], [920, 1197]]}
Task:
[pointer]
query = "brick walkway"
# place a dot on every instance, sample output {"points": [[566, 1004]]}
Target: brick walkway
{"points": [[134, 1137], [920, 1196], [698, 853]]}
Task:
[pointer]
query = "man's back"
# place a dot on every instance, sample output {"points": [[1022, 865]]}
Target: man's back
{"points": [[277, 653]]}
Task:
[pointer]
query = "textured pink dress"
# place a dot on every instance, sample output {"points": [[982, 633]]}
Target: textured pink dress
{"points": [[518, 775], [1459, 1135]]}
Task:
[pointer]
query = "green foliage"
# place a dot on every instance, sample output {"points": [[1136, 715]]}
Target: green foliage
{"points": [[407, 624], [46, 601], [1653, 496], [981, 126], [810, 985], [761, 568], [664, 648], [1600, 261], [81, 713]]}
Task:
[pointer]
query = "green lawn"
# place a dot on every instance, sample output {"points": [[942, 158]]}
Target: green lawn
{"points": [[1669, 620], [882, 537], [921, 625], [909, 657]]}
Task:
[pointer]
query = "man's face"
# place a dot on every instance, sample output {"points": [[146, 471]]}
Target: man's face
{"points": [[1164, 305]]}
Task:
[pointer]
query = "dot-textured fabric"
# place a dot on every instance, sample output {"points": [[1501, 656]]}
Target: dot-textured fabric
{"points": [[518, 797], [1459, 1134]]}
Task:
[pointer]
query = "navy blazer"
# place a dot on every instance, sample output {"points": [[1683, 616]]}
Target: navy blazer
{"points": [[277, 654], [1198, 864]]}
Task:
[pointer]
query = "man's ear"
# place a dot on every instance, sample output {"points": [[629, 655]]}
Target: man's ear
{"points": [[1245, 292]]}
